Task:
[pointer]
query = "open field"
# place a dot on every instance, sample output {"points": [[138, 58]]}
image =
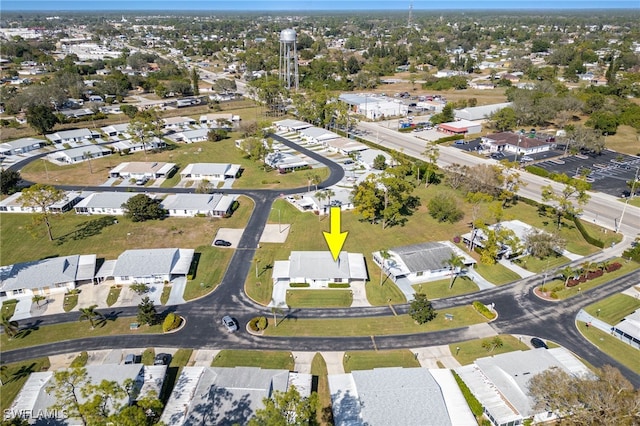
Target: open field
{"points": [[612, 309], [625, 140], [80, 234], [471, 350], [246, 358], [440, 289], [15, 375], [612, 346], [368, 360], [373, 326], [329, 298]]}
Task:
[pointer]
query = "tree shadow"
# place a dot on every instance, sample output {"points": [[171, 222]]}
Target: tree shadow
{"points": [[219, 407], [28, 328], [88, 229], [23, 371], [347, 408], [111, 316]]}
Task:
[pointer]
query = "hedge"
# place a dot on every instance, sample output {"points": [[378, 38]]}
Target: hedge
{"points": [[482, 309], [448, 139], [339, 285], [539, 171], [472, 402], [536, 170], [171, 322], [585, 234], [299, 285]]}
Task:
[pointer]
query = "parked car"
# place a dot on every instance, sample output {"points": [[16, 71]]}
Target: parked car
{"points": [[162, 359], [142, 181], [229, 323], [538, 343], [132, 359], [222, 243]]}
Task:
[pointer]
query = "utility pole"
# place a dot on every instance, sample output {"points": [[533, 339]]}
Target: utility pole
{"points": [[626, 203]]}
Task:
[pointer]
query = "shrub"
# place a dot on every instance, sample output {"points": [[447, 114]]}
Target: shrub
{"points": [[614, 267], [553, 295], [482, 309], [456, 239], [299, 285], [474, 404], [339, 285], [171, 322], [258, 323], [80, 360], [572, 282], [539, 171], [262, 323], [585, 234]]}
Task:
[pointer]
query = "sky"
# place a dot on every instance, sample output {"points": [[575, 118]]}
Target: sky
{"points": [[310, 5]]}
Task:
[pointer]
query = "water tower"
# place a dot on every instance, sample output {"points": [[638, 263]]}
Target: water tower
{"points": [[288, 68]]}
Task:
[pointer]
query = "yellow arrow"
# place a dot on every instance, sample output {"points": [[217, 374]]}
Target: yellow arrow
{"points": [[335, 239]]}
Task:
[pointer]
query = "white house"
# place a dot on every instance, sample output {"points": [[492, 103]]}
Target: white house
{"points": [[318, 269], [151, 266], [75, 135], [221, 120], [127, 145], [289, 125], [317, 135], [213, 395], [142, 169], [79, 154], [515, 143], [210, 171], [285, 162], [178, 122], [628, 329], [520, 231], [21, 146], [13, 203], [190, 136], [419, 263], [345, 146], [113, 131], [103, 203], [367, 157], [47, 276], [190, 205]]}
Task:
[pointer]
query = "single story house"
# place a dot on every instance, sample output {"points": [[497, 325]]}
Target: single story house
{"points": [[515, 143], [345, 146], [21, 146], [190, 205], [76, 113], [103, 203], [142, 169], [34, 400], [367, 157], [178, 122], [460, 127], [420, 262], [478, 237], [398, 396], [289, 125], [46, 276], [213, 395], [79, 154], [317, 135], [210, 171], [149, 266], [285, 162], [75, 135], [190, 136], [13, 204], [501, 382], [318, 268], [130, 146], [222, 120], [113, 131], [479, 112], [628, 329]]}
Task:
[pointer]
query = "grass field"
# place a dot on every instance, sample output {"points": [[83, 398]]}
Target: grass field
{"points": [[367, 360], [537, 265], [612, 309], [319, 369], [14, 376], [247, 358], [80, 234], [328, 298], [372, 326], [471, 350], [496, 274], [612, 346], [73, 330], [625, 140], [440, 289]]}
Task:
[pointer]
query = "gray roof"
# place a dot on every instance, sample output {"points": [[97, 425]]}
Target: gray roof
{"points": [[479, 112], [320, 265], [424, 256], [81, 150], [113, 200], [40, 273], [148, 262], [21, 143], [204, 202], [217, 395], [210, 169], [319, 133], [388, 396], [196, 133], [74, 133]]}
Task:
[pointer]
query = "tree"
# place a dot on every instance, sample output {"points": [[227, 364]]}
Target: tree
{"points": [[493, 344], [216, 135], [145, 412], [567, 273], [432, 152], [541, 244], [141, 207], [40, 197], [90, 314], [66, 386], [9, 180], [41, 118], [195, 78], [139, 288], [147, 312], [606, 399], [563, 202], [321, 196], [143, 127], [87, 156], [287, 408], [421, 309], [37, 298], [10, 327], [504, 119], [444, 208], [384, 256], [455, 264], [380, 163]]}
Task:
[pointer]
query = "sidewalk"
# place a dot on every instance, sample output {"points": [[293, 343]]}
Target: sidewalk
{"points": [[515, 268]]}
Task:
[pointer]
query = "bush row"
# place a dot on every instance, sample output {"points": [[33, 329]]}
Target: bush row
{"points": [[448, 139], [339, 285], [590, 275], [299, 285], [171, 322], [474, 404], [585, 234], [482, 309], [633, 253], [558, 177]]}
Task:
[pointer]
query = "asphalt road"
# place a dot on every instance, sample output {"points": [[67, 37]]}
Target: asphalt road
{"points": [[520, 312]]}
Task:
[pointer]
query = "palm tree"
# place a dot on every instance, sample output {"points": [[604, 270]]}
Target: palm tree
{"points": [[90, 314], [567, 273], [329, 193], [455, 264], [384, 255], [10, 327], [38, 298], [87, 156], [604, 265], [321, 196]]}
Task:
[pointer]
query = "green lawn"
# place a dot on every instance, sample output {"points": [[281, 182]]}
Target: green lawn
{"points": [[9, 307], [114, 294], [373, 326], [248, 358], [328, 298], [148, 356], [612, 346], [319, 369], [534, 264], [367, 360], [471, 350], [384, 294], [73, 330], [612, 309], [14, 376], [496, 274], [440, 289], [181, 357], [212, 265]]}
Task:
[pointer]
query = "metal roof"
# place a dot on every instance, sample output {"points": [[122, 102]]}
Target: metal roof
{"points": [[112, 200], [210, 169], [40, 273], [200, 202], [320, 265], [479, 112], [148, 262]]}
